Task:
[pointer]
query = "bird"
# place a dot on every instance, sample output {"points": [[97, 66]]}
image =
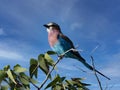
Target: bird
{"points": [[60, 43]]}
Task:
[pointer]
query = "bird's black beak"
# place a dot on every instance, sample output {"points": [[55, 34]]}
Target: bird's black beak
{"points": [[45, 25]]}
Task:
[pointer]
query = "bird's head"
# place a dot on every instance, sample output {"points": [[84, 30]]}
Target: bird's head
{"points": [[52, 27]]}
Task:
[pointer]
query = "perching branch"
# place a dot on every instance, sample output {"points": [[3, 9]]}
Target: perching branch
{"points": [[59, 58], [47, 76]]}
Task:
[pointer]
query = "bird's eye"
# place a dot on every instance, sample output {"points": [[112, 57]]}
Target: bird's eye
{"points": [[51, 28]]}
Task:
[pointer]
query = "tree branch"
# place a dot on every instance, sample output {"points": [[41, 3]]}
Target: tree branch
{"points": [[47, 76], [96, 73], [59, 58]]}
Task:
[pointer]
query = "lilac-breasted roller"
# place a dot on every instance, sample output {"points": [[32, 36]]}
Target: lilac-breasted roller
{"points": [[61, 43]]}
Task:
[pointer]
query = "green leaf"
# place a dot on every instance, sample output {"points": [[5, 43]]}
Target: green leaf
{"points": [[9, 73], [62, 79], [6, 67], [55, 81], [33, 81], [49, 59], [43, 64], [57, 87], [2, 75], [33, 69], [33, 61], [4, 87], [75, 83], [78, 81], [41, 56], [51, 52], [69, 82], [84, 84], [19, 69], [24, 79]]}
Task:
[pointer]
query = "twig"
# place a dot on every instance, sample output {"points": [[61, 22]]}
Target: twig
{"points": [[59, 58], [92, 57], [34, 84], [95, 49], [47, 76], [96, 74]]}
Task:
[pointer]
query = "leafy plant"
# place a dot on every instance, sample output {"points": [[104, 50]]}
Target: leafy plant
{"points": [[16, 78]]}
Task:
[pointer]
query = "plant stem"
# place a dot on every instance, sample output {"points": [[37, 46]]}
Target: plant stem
{"points": [[96, 74], [47, 76]]}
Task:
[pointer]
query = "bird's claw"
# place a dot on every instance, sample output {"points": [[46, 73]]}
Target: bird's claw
{"points": [[60, 56]]}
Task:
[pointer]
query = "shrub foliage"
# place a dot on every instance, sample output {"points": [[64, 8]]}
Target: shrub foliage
{"points": [[20, 78]]}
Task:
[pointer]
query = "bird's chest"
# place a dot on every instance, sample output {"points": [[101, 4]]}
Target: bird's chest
{"points": [[52, 39], [61, 46], [58, 44]]}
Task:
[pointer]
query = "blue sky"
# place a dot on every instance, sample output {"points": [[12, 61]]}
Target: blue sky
{"points": [[88, 23]]}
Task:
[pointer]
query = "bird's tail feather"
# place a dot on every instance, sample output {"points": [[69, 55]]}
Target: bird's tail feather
{"points": [[93, 69]]}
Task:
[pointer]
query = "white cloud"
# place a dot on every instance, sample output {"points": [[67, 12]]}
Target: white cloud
{"points": [[2, 31], [113, 67], [10, 55], [118, 41], [75, 26], [13, 49], [66, 12], [67, 67], [113, 71]]}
